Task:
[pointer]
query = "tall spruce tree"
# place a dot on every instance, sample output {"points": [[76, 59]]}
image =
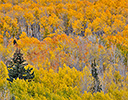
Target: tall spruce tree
{"points": [[96, 87], [16, 68]]}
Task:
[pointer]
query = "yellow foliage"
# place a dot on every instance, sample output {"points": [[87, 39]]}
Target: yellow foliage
{"points": [[96, 29], [1, 38], [3, 75]]}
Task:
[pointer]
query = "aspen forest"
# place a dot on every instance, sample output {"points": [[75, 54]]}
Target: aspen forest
{"points": [[63, 49]]}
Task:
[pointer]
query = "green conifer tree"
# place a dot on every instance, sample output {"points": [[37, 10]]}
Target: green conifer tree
{"points": [[96, 87], [16, 68]]}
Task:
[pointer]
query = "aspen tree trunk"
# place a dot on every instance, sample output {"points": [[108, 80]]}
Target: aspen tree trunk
{"points": [[127, 63], [26, 29], [5, 88]]}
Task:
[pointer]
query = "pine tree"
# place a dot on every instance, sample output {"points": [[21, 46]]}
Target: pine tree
{"points": [[16, 68], [96, 87]]}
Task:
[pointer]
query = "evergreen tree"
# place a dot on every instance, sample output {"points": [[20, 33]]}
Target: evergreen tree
{"points": [[16, 68], [96, 83]]}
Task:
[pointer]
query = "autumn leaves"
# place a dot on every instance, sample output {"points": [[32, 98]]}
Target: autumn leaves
{"points": [[60, 39]]}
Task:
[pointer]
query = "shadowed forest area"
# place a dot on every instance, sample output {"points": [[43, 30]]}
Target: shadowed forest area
{"points": [[63, 49]]}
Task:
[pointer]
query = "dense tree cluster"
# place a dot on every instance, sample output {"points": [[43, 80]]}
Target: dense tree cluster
{"points": [[60, 39]]}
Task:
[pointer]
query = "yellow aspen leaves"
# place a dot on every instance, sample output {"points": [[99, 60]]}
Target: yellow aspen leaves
{"points": [[29, 17], [1, 38], [88, 32], [3, 75], [60, 39]]}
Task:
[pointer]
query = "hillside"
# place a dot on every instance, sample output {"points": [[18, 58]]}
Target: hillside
{"points": [[62, 40]]}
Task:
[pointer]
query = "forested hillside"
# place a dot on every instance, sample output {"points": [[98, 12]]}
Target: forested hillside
{"points": [[73, 49]]}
